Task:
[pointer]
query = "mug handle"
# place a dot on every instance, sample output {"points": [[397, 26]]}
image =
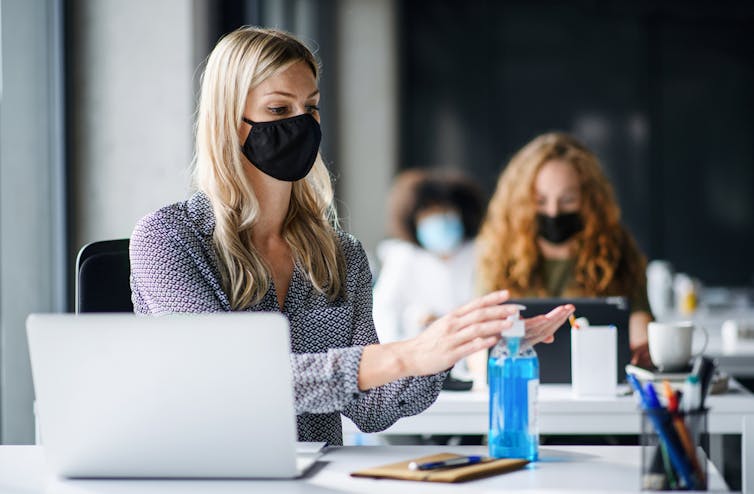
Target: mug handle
{"points": [[706, 341]]}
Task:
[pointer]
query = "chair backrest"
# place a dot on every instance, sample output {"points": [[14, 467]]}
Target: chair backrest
{"points": [[103, 273]]}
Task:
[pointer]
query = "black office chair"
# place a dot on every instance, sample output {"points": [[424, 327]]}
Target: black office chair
{"points": [[103, 274]]}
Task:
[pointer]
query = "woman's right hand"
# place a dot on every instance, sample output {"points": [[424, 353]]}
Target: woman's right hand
{"points": [[473, 327]]}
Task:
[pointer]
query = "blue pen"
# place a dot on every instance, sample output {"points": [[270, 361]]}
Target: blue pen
{"points": [[453, 462], [650, 395], [660, 419], [634, 382]]}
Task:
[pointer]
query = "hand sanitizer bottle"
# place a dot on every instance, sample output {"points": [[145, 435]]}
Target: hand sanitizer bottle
{"points": [[514, 385]]}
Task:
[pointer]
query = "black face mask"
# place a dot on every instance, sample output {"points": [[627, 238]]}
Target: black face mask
{"points": [[558, 229], [283, 149]]}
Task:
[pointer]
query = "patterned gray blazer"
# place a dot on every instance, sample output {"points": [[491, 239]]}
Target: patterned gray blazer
{"points": [[174, 268]]}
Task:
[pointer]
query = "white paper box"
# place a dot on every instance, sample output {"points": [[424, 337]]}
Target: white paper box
{"points": [[594, 362]]}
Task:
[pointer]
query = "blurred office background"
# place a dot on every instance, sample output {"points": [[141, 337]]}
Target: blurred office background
{"points": [[97, 100]]}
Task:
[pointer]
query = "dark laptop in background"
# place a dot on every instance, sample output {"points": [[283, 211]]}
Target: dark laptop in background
{"points": [[555, 358]]}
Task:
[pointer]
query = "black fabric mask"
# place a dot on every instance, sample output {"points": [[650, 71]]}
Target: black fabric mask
{"points": [[558, 229], [283, 149]]}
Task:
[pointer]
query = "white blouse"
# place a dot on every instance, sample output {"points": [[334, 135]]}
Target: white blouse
{"points": [[414, 284]]}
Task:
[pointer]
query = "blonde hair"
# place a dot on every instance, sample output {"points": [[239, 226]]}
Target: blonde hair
{"points": [[607, 259], [240, 61]]}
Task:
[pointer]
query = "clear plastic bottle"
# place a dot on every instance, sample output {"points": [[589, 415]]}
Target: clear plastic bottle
{"points": [[514, 387]]}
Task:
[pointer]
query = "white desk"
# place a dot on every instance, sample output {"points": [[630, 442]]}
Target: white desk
{"points": [[564, 469], [560, 413]]}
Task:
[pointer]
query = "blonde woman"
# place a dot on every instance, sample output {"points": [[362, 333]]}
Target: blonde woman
{"points": [[260, 234], [553, 229]]}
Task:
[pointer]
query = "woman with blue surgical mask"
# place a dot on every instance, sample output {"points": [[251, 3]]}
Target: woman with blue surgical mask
{"points": [[439, 230], [428, 261]]}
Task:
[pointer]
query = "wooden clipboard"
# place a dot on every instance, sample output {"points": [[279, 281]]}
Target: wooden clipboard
{"points": [[400, 470]]}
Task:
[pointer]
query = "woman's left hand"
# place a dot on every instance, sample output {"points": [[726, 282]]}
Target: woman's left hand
{"points": [[542, 328]]}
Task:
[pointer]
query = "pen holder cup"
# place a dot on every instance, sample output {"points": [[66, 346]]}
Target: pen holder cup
{"points": [[673, 450]]}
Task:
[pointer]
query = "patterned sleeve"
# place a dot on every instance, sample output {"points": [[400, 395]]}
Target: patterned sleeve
{"points": [[165, 277], [379, 408]]}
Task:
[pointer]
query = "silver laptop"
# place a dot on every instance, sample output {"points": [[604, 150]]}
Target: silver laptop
{"points": [[177, 396]]}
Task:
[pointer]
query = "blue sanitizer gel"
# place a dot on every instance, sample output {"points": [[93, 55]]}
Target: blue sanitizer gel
{"points": [[514, 384]]}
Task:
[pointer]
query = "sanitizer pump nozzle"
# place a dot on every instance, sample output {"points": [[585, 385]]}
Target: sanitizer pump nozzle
{"points": [[517, 330]]}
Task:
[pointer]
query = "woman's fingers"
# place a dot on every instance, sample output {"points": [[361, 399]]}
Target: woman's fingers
{"points": [[483, 314], [474, 346], [494, 298], [484, 329], [556, 317], [542, 328], [559, 314]]}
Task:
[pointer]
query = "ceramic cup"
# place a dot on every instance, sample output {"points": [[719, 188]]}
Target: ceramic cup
{"points": [[670, 344]]}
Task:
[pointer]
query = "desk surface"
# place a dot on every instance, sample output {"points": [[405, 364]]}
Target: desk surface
{"points": [[560, 413], [561, 469]]}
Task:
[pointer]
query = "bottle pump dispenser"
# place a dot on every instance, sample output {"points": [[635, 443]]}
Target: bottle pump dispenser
{"points": [[514, 384]]}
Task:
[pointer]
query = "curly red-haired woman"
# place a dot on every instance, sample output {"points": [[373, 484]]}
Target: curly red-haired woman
{"points": [[553, 229]]}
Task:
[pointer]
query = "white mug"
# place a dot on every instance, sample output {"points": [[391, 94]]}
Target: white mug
{"points": [[670, 344]]}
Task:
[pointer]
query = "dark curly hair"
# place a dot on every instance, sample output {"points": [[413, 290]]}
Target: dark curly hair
{"points": [[416, 190]]}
